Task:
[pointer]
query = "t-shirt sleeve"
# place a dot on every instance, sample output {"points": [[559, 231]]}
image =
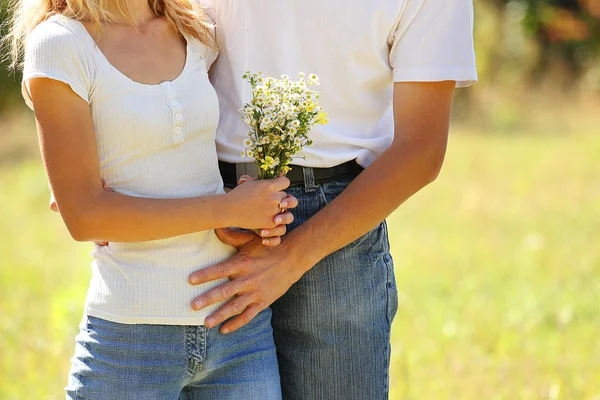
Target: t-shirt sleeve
{"points": [[211, 54], [433, 41], [54, 52], [211, 57]]}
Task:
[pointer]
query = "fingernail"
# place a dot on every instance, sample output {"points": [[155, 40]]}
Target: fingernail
{"points": [[264, 233], [278, 220], [283, 204], [266, 241]]}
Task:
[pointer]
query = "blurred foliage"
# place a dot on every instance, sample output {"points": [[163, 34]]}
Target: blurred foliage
{"points": [[563, 36]]}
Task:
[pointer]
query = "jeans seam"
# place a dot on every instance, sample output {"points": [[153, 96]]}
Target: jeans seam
{"points": [[322, 193], [195, 362], [204, 341], [389, 270], [388, 316]]}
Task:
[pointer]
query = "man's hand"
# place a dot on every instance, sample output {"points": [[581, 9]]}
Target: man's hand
{"points": [[259, 276]]}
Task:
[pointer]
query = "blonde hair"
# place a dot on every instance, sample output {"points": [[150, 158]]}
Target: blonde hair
{"points": [[186, 15]]}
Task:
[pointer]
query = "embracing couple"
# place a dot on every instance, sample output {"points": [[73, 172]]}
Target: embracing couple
{"points": [[143, 97]]}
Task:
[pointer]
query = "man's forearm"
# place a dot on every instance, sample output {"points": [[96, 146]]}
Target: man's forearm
{"points": [[421, 118], [400, 172]]}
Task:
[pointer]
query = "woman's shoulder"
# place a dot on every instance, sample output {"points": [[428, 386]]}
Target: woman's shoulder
{"points": [[57, 32], [206, 53]]}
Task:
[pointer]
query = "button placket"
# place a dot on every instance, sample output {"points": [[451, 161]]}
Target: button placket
{"points": [[177, 116]]}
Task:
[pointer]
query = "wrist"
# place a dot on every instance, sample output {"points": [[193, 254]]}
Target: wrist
{"points": [[226, 209], [303, 252]]}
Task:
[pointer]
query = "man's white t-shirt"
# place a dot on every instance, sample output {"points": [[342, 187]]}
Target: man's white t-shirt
{"points": [[357, 48]]}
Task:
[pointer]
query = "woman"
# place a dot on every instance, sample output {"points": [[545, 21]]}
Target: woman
{"points": [[121, 97]]}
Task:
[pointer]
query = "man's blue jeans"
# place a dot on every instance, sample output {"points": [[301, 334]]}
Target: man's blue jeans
{"points": [[332, 328]]}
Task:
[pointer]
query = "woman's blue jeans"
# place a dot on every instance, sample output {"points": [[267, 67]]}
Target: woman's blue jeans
{"points": [[168, 362]]}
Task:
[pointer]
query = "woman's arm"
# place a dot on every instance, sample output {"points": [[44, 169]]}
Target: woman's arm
{"points": [[69, 153]]}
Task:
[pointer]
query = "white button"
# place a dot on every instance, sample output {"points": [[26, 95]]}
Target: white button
{"points": [[178, 130], [178, 117], [174, 103], [169, 89]]}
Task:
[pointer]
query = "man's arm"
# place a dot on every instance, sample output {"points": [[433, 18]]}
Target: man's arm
{"points": [[260, 276], [422, 116]]}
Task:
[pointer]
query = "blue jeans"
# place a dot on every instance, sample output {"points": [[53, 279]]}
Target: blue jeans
{"points": [[332, 328], [169, 362]]}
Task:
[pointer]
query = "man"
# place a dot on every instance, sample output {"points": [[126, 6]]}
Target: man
{"points": [[388, 70]]}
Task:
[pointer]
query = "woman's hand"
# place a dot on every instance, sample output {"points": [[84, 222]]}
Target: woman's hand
{"points": [[261, 204], [272, 237]]}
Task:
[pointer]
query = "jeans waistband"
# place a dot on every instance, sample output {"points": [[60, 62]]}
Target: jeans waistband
{"points": [[299, 176]]}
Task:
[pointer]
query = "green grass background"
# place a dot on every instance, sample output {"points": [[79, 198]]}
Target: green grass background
{"points": [[497, 266]]}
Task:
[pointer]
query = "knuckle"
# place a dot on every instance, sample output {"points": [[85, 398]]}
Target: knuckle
{"points": [[221, 270], [218, 317], [246, 318], [225, 292], [245, 266], [252, 282], [236, 307]]}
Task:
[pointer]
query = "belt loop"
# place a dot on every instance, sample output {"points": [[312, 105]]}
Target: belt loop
{"points": [[245, 169], [309, 179], [239, 171]]}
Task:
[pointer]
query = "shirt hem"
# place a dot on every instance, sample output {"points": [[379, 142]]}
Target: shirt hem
{"points": [[145, 320], [463, 75]]}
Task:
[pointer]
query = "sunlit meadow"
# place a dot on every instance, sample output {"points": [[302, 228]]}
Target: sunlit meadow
{"points": [[497, 263]]}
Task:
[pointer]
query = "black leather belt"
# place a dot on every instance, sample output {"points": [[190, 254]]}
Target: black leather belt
{"points": [[350, 169]]}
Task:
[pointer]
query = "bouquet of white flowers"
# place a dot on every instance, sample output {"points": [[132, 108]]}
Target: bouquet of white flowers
{"points": [[281, 114]]}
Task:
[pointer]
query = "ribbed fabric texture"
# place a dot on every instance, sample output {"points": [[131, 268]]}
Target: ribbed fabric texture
{"points": [[155, 141]]}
